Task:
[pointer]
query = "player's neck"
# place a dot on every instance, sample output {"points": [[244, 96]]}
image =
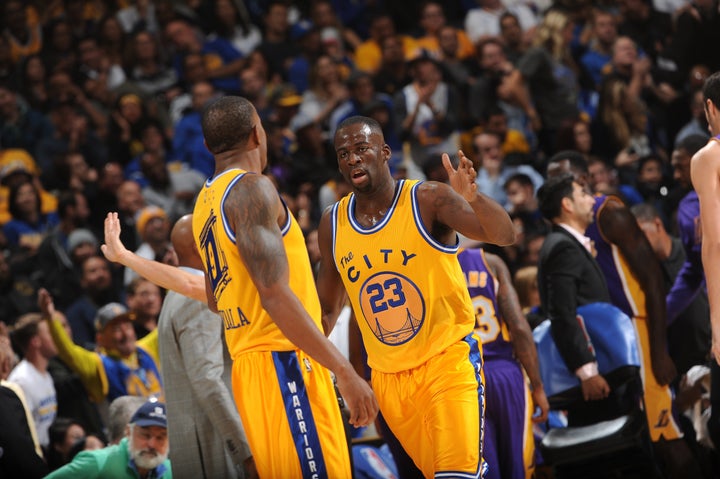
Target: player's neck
{"points": [[246, 160], [376, 202]]}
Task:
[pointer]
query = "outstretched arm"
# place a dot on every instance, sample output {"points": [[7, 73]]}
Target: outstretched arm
{"points": [[254, 208], [163, 275], [620, 228], [462, 208], [522, 339], [705, 173]]}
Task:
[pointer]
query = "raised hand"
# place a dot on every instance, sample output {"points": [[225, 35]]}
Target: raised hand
{"points": [[113, 249], [462, 180]]}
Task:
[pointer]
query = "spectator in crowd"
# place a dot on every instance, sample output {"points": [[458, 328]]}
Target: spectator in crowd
{"points": [[97, 290], [493, 172], [22, 29], [432, 21], [512, 35], [60, 274], [146, 67], [326, 92], [124, 366], [362, 93], [483, 20], [120, 411], [599, 52], [227, 22], [550, 75], [28, 226], [32, 85], [93, 64], [188, 146], [153, 227], [22, 455], [276, 47], [427, 113], [368, 55], [17, 166], [144, 300], [72, 398], [171, 187], [17, 291], [64, 433], [32, 341], [142, 453], [689, 335], [20, 125]]}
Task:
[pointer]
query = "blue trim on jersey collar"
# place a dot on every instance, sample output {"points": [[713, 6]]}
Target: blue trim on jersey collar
{"points": [[375, 228], [451, 249], [211, 180]]}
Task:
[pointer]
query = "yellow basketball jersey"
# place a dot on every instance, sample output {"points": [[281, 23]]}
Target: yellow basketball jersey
{"points": [[248, 327], [407, 289]]}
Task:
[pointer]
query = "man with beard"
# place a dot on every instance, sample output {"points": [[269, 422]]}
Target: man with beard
{"points": [[142, 453], [98, 290]]}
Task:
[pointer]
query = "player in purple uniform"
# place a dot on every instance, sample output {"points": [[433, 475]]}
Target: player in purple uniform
{"points": [[690, 278], [506, 337]]}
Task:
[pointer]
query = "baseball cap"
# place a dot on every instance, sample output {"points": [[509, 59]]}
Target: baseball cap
{"points": [[145, 215], [152, 413], [16, 160], [300, 29], [111, 312], [287, 96]]}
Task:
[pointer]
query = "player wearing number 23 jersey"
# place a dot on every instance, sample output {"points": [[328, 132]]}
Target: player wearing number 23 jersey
{"points": [[509, 446], [416, 320]]}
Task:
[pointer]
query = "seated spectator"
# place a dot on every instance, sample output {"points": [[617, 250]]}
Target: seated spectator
{"points": [[484, 20], [222, 60], [123, 365], [18, 291], [120, 411], [153, 228], [97, 290], [32, 341], [72, 398], [427, 113], [368, 54], [525, 282], [21, 126], [22, 455], [145, 66], [227, 22], [604, 179], [17, 166], [28, 226], [599, 52], [60, 274], [432, 21], [188, 145], [492, 172], [144, 450], [64, 433], [144, 300]]}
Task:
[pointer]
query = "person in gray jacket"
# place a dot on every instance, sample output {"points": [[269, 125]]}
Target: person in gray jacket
{"points": [[204, 427]]}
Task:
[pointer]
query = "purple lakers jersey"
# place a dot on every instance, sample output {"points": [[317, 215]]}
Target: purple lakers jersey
{"points": [[625, 290], [482, 286]]}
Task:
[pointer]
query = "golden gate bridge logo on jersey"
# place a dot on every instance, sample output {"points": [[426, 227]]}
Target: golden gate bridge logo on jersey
{"points": [[393, 307]]}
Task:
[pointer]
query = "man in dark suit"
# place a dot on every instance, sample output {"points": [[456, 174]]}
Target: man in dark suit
{"points": [[569, 276]]}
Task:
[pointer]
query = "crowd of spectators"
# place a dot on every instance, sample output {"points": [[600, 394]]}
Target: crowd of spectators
{"points": [[100, 106]]}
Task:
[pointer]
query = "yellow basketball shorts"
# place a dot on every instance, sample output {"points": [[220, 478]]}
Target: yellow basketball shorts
{"points": [[436, 410], [290, 412]]}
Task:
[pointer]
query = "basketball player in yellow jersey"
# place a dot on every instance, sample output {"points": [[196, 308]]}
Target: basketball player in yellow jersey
{"points": [[391, 245], [247, 239]]}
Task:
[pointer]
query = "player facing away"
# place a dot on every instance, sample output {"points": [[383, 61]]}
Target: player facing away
{"points": [[507, 343], [259, 279], [391, 245]]}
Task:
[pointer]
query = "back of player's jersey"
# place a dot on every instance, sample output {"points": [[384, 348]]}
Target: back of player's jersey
{"points": [[482, 286]]}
